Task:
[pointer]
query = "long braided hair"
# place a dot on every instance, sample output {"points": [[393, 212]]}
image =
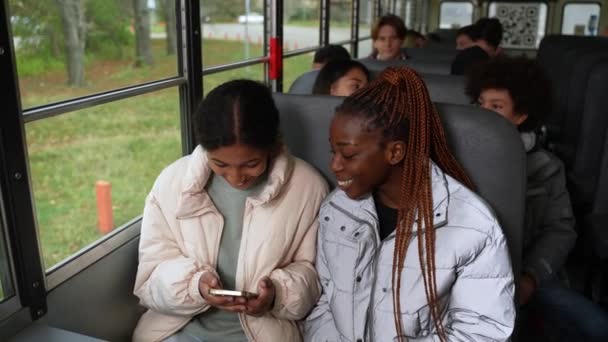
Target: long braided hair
{"points": [[399, 103]]}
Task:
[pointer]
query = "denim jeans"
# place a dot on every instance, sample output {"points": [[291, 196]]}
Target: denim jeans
{"points": [[567, 315]]}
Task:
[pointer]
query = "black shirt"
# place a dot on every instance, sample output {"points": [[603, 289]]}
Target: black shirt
{"points": [[387, 217], [468, 58]]}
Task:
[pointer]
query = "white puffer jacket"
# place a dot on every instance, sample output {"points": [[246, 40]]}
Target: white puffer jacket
{"points": [[473, 272], [179, 242]]}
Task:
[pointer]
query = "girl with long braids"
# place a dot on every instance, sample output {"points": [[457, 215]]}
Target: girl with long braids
{"points": [[406, 250]]}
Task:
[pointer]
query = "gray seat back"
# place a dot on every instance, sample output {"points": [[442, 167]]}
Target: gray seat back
{"points": [[442, 88], [584, 174], [446, 88], [432, 54], [440, 67], [487, 145], [304, 83]]}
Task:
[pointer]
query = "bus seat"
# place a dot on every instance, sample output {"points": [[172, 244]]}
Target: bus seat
{"points": [[304, 83], [99, 301], [432, 54], [442, 88], [447, 35], [573, 103], [486, 144], [446, 88], [566, 60], [439, 67], [584, 172]]}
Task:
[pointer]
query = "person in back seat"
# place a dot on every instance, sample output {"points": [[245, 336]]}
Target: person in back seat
{"points": [[487, 35], [239, 213], [519, 90], [414, 39], [406, 249], [465, 37], [328, 54], [341, 78], [388, 34]]}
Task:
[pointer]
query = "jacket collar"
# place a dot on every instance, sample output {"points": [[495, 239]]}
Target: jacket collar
{"points": [[365, 208], [194, 199]]}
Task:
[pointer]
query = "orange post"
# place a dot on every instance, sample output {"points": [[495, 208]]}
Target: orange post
{"points": [[105, 220]]}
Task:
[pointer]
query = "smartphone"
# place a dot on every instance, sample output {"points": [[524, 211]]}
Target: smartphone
{"points": [[231, 293]]}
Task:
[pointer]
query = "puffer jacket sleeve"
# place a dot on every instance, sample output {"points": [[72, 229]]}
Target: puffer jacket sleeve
{"points": [[555, 235], [166, 280], [297, 284], [481, 305], [320, 326]]}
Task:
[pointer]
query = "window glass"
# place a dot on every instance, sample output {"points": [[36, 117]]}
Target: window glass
{"points": [[581, 19], [366, 17], [385, 7], [66, 49], [6, 281], [124, 143], [233, 30], [252, 72], [524, 23], [454, 14], [301, 24], [340, 14], [294, 67], [365, 48]]}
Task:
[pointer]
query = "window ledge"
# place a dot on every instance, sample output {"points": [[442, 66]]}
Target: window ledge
{"points": [[41, 332]]}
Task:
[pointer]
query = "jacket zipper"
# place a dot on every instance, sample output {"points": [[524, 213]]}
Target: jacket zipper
{"points": [[247, 217], [377, 244]]}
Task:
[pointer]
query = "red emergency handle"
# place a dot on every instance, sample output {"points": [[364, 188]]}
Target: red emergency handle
{"points": [[276, 61]]}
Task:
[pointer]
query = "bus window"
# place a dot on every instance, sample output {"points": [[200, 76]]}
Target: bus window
{"points": [[232, 31], [252, 72], [301, 24], [340, 14], [66, 51], [455, 14], [581, 19], [124, 143], [366, 19], [294, 67]]}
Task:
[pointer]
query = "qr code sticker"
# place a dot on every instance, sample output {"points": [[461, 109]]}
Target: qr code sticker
{"points": [[520, 25]]}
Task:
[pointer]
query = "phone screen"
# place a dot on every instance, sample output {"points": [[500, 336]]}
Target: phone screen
{"points": [[231, 293]]}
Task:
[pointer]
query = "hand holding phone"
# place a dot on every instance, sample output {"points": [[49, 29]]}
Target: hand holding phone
{"points": [[231, 293], [209, 282], [263, 303]]}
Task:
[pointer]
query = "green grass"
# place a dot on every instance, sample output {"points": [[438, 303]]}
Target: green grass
{"points": [[126, 142]]}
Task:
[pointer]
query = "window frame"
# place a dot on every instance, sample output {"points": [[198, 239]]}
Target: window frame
{"points": [[563, 14]]}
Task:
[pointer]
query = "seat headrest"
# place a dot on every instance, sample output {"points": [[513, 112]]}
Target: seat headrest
{"points": [[304, 83]]}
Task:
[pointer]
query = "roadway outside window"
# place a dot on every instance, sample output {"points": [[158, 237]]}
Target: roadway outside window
{"points": [[67, 49], [581, 19], [366, 20], [232, 30], [455, 14], [301, 24], [340, 16]]}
